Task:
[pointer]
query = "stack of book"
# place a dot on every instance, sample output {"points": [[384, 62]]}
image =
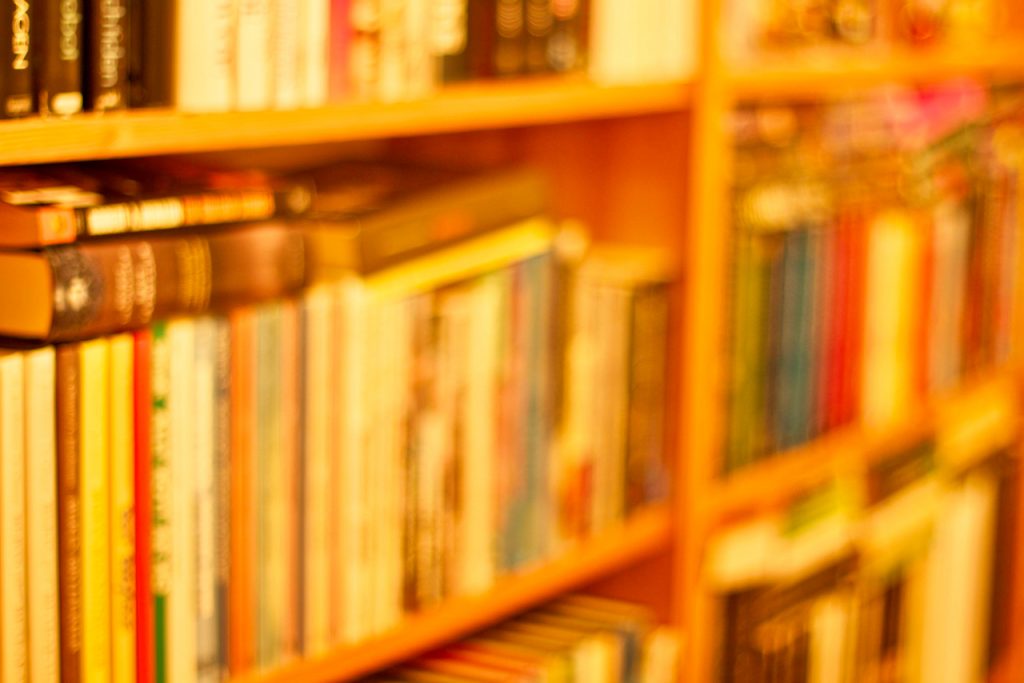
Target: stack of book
{"points": [[901, 576], [66, 56], [760, 28], [248, 469], [577, 638], [876, 256]]}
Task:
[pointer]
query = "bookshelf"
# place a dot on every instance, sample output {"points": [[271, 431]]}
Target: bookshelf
{"points": [[645, 163]]}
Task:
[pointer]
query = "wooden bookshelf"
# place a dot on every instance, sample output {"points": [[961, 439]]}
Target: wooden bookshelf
{"points": [[817, 75], [993, 417], [647, 534], [459, 108]]}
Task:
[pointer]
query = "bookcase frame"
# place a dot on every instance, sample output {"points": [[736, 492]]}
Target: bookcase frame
{"points": [[645, 163]]}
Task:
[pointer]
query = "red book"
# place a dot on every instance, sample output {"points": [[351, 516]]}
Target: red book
{"points": [[922, 351], [144, 652], [854, 347], [338, 65]]}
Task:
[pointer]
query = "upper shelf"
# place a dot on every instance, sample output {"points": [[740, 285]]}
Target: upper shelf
{"points": [[467, 107], [806, 75]]}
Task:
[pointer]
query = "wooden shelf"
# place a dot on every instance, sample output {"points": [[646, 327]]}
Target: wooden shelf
{"points": [[817, 75], [460, 108], [648, 533], [985, 410]]}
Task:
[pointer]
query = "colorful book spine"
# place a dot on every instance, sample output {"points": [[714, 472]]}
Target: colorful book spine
{"points": [[14, 604], [19, 60], [161, 543], [144, 507], [60, 41], [69, 522], [106, 75]]}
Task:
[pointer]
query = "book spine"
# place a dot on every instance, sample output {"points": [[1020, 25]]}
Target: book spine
{"points": [[60, 57], [69, 527], [509, 58], [538, 22], [206, 61], [449, 40], [151, 53], [95, 471], [566, 49], [242, 612], [338, 67], [13, 607], [143, 403], [41, 516], [107, 72], [19, 65], [160, 481], [290, 549], [364, 56], [120, 285], [315, 43], [222, 474], [122, 509], [204, 402], [182, 606], [284, 53], [253, 60]]}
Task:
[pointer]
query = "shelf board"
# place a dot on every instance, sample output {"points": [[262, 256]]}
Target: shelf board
{"points": [[989, 402], [457, 108], [648, 533], [817, 75]]}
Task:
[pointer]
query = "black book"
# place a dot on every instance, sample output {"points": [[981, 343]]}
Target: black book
{"points": [[18, 98], [106, 74], [59, 75], [150, 52]]}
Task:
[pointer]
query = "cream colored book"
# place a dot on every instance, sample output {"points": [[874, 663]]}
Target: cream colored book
{"points": [[13, 616], [94, 435], [207, 656], [122, 507], [205, 65], [41, 516]]}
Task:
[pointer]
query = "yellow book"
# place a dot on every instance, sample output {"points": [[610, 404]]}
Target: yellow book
{"points": [[122, 508], [95, 516], [41, 515], [13, 623]]}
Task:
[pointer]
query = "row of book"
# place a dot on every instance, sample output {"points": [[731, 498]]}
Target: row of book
{"points": [[576, 638], [760, 28], [65, 56], [900, 577], [869, 272], [224, 492]]}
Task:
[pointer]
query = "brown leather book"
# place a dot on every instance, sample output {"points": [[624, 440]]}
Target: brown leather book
{"points": [[78, 291], [60, 57]]}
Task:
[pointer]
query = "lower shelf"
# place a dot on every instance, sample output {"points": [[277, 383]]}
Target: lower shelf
{"points": [[983, 411], [648, 533]]}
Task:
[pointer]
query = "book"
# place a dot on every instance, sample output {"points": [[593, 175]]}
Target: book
{"points": [[161, 548], [20, 59], [40, 390], [205, 380], [108, 40], [77, 291], [60, 41], [69, 524], [150, 53], [206, 69], [145, 622], [94, 454], [123, 551], [14, 606], [254, 59]]}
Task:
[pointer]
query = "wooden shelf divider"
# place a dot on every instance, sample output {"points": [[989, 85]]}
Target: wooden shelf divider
{"points": [[646, 534], [458, 108], [775, 480]]}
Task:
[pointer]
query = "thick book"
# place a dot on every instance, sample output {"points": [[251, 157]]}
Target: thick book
{"points": [[69, 524], [59, 76], [13, 586], [17, 73], [421, 213], [151, 53], [78, 291], [41, 514], [107, 40]]}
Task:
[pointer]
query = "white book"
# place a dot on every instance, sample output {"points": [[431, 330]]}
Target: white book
{"points": [[286, 43], [205, 56], [182, 608], [392, 76], [204, 409], [316, 582], [477, 487], [314, 54], [13, 608], [253, 61], [41, 515]]}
